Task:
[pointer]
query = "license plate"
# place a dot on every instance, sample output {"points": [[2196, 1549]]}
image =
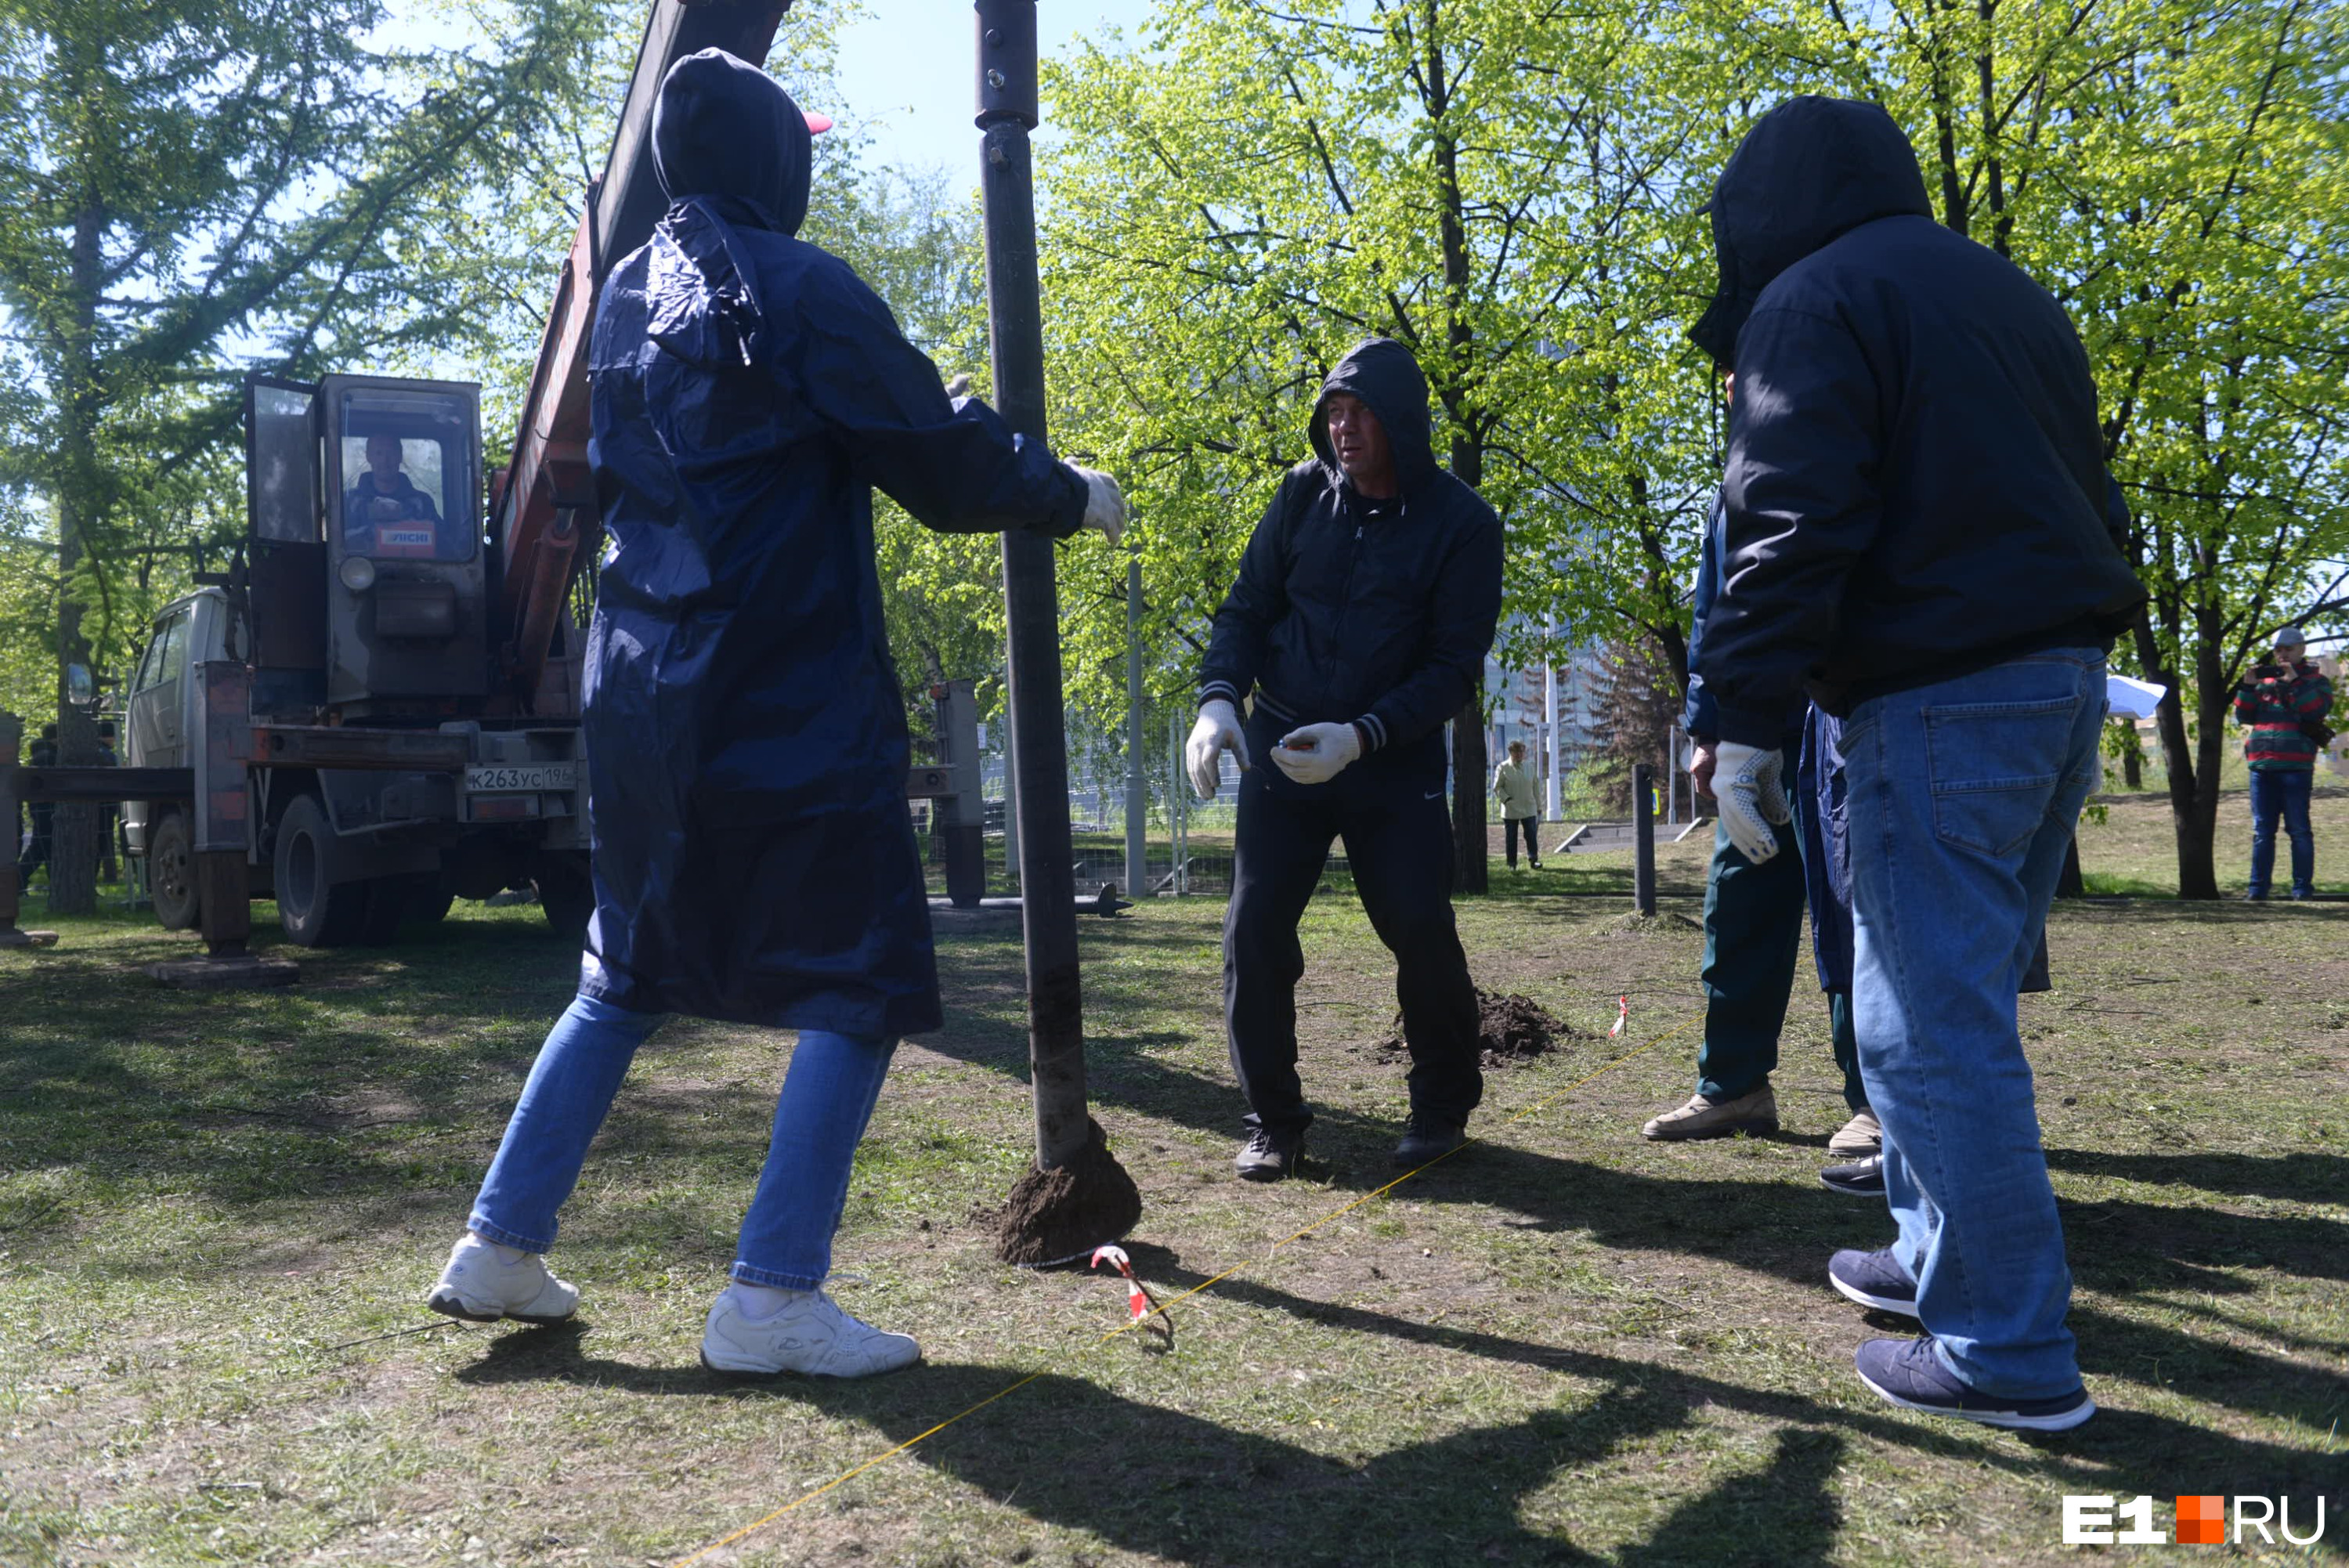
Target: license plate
{"points": [[529, 777]]}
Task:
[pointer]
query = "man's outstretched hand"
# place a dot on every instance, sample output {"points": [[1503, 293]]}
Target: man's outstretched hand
{"points": [[1748, 782], [1317, 753], [1218, 731], [1105, 502]]}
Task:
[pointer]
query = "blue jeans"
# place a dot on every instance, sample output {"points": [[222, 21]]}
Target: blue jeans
{"points": [[2281, 792], [828, 1097], [1964, 795]]}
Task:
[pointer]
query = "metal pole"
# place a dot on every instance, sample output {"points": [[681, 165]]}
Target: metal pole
{"points": [[1553, 801], [1644, 840], [1137, 794], [1048, 893]]}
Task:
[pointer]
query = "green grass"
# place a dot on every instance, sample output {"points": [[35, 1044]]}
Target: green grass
{"points": [[217, 1213]]}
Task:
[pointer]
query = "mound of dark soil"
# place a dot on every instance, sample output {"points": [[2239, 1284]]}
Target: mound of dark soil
{"points": [[1510, 1028], [1054, 1215]]}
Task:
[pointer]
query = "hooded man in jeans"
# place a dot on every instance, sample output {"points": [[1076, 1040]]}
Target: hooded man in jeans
{"points": [[1364, 608], [1919, 532], [754, 860]]}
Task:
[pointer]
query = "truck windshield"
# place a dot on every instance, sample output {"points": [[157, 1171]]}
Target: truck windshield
{"points": [[407, 484]]}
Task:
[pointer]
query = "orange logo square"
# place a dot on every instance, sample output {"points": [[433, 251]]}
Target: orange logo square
{"points": [[2201, 1521]]}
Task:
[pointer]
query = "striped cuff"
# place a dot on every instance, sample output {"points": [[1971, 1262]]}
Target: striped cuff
{"points": [[1372, 731], [1219, 691]]}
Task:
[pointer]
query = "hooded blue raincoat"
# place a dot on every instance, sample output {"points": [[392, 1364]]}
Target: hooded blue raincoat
{"points": [[755, 858]]}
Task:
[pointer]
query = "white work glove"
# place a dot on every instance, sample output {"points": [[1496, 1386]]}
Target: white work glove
{"points": [[959, 386], [1104, 503], [1747, 782], [1317, 753], [1218, 731]]}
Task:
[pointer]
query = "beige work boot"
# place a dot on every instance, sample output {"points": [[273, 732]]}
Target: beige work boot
{"points": [[1702, 1118], [1860, 1137]]}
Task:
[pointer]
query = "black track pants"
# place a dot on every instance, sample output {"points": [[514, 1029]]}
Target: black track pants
{"points": [[1390, 810]]}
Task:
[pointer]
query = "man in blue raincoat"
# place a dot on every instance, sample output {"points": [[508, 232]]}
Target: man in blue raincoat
{"points": [[754, 860]]}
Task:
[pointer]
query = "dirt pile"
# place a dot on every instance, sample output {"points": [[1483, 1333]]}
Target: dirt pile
{"points": [[1054, 1215], [1509, 1029]]}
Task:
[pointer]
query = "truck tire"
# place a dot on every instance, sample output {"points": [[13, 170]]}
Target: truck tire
{"points": [[567, 893], [314, 911], [171, 872], [431, 905]]}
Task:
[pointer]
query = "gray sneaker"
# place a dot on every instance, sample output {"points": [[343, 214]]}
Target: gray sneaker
{"points": [[1858, 1139], [1702, 1118]]}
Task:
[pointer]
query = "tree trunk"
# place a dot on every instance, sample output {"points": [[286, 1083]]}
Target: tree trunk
{"points": [[1469, 855], [2132, 754], [74, 848], [2193, 824]]}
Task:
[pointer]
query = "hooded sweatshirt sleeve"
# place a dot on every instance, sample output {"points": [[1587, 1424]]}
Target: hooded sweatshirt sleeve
{"points": [[954, 464], [1801, 506], [1451, 669], [1260, 597]]}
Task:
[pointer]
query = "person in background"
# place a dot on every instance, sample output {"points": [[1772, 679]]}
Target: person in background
{"points": [[1514, 788], [2284, 702], [1919, 534], [109, 815], [754, 860], [42, 753]]}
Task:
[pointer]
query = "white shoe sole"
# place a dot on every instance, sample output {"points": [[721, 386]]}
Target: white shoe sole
{"points": [[448, 1303], [2062, 1422], [763, 1374], [1892, 1304]]}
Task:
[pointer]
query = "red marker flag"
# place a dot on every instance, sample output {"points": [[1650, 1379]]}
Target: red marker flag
{"points": [[1623, 1017]]}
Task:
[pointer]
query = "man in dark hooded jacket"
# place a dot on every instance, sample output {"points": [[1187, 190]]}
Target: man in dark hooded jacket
{"points": [[1364, 608], [754, 860], [1919, 533]]}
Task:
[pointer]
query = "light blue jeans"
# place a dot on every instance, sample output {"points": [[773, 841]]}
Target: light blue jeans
{"points": [[2276, 792], [828, 1097], [1964, 795]]}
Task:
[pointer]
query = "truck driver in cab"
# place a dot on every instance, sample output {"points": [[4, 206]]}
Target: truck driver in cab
{"points": [[384, 513]]}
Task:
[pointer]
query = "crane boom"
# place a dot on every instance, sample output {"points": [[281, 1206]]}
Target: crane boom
{"points": [[548, 500]]}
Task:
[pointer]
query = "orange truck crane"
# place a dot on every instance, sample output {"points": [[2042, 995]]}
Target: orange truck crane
{"points": [[377, 711]]}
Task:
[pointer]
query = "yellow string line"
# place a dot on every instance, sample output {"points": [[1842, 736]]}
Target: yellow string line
{"points": [[1157, 1308]]}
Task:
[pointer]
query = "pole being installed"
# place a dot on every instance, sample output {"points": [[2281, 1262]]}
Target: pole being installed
{"points": [[1137, 792], [1048, 893]]}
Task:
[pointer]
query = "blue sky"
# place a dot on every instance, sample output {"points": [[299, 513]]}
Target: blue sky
{"points": [[907, 69]]}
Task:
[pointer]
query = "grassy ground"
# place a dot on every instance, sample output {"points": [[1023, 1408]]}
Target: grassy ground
{"points": [[217, 1214]]}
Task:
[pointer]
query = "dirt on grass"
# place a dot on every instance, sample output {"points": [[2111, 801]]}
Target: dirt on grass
{"points": [[1509, 1029], [1055, 1215]]}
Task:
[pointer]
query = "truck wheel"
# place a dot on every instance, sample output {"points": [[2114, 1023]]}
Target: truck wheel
{"points": [[314, 910], [171, 874], [567, 893], [431, 905]]}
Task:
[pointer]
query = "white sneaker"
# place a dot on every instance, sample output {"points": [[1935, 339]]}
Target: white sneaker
{"points": [[807, 1333], [485, 1281]]}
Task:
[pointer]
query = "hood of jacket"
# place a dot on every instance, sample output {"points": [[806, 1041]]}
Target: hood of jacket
{"points": [[1809, 172], [1383, 375], [733, 152], [725, 130]]}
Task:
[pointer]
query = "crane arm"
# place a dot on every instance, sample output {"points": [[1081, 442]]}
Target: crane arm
{"points": [[547, 502]]}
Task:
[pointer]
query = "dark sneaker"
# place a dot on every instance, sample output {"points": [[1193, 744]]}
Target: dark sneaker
{"points": [[1427, 1139], [1269, 1153], [1860, 1179], [1908, 1373], [1874, 1279]]}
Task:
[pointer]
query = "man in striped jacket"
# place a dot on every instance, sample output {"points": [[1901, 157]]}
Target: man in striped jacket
{"points": [[2284, 703]]}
